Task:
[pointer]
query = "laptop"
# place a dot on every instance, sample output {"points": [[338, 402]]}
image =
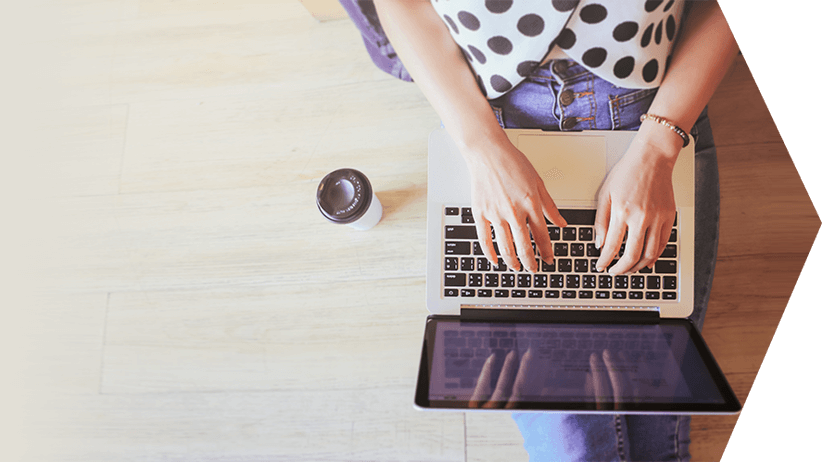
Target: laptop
{"points": [[566, 338]]}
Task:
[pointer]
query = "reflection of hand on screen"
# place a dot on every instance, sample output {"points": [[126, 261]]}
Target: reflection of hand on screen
{"points": [[510, 384], [607, 381]]}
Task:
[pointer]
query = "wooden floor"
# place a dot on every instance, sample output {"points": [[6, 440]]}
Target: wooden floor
{"points": [[206, 312]]}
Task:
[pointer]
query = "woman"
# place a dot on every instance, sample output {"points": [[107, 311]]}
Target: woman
{"points": [[571, 65]]}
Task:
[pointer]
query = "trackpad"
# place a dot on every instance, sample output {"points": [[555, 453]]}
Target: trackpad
{"points": [[572, 167]]}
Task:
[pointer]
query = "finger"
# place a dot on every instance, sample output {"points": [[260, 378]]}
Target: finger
{"points": [[600, 382], [542, 238], [484, 237], [523, 374], [550, 210], [483, 389], [506, 245], [612, 243], [654, 245], [615, 376], [506, 379], [602, 219], [633, 250], [525, 251]]}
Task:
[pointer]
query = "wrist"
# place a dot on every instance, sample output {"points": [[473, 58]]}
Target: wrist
{"points": [[660, 140]]}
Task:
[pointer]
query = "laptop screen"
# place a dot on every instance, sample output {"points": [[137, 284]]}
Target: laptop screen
{"points": [[570, 366]]}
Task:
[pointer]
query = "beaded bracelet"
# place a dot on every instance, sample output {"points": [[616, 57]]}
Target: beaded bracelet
{"points": [[674, 128]]}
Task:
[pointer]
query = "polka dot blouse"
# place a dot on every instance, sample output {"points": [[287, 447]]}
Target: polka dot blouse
{"points": [[626, 42]]}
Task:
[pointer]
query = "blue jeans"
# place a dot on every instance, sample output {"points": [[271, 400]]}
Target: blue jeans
{"points": [[562, 95]]}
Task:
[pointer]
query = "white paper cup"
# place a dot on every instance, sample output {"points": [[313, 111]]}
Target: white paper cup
{"points": [[345, 197]]}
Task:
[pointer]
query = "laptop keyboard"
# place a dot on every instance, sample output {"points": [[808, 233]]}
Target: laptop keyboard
{"points": [[573, 276]]}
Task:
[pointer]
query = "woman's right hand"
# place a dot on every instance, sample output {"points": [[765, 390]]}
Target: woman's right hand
{"points": [[508, 194]]}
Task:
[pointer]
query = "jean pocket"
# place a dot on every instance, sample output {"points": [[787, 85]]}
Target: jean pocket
{"points": [[628, 107]]}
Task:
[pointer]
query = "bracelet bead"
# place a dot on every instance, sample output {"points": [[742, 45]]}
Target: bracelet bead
{"points": [[666, 123]]}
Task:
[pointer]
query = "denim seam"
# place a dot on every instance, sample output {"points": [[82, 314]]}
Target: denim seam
{"points": [[498, 115], [613, 105], [592, 104], [620, 444], [676, 440]]}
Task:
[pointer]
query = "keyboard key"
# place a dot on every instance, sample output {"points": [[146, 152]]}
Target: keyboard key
{"points": [[501, 293], [652, 295], [564, 265], [557, 281], [477, 249], [580, 265], [577, 250], [621, 282], [452, 211], [466, 264], [618, 295], [454, 280], [483, 264], [467, 293], [670, 251], [569, 233], [507, 280], [517, 293], [457, 248], [585, 234], [451, 263], [572, 281], [524, 280], [534, 293], [603, 294], [665, 267], [579, 216], [591, 250], [669, 282], [673, 236], [491, 280], [546, 268], [645, 270], [605, 281], [551, 294], [474, 280], [669, 295], [484, 292], [634, 295], [637, 282], [653, 282], [553, 233], [467, 219], [589, 281], [501, 266], [452, 292], [467, 211], [460, 232], [540, 280], [586, 294], [560, 249], [569, 294]]}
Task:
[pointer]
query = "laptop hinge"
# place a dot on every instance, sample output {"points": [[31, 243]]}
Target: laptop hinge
{"points": [[645, 316]]}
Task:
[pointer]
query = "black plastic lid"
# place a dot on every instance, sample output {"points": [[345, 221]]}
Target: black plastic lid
{"points": [[344, 195]]}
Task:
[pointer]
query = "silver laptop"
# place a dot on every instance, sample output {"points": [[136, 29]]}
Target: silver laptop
{"points": [[565, 338]]}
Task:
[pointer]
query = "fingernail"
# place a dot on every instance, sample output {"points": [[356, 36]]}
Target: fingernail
{"points": [[598, 242]]}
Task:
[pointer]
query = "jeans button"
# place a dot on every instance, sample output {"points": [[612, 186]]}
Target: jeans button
{"points": [[559, 66], [566, 97], [569, 123]]}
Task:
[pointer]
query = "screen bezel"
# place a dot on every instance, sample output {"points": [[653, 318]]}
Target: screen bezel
{"points": [[731, 404]]}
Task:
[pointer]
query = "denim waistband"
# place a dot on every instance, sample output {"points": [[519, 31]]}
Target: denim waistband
{"points": [[562, 95]]}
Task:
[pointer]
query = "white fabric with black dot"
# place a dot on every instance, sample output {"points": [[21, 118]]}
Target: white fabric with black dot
{"points": [[626, 42]]}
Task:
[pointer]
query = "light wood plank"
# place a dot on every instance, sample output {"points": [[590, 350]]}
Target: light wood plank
{"points": [[196, 134]]}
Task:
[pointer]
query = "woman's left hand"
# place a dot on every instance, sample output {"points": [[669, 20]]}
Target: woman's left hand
{"points": [[636, 198]]}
